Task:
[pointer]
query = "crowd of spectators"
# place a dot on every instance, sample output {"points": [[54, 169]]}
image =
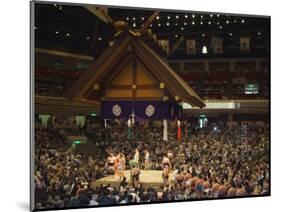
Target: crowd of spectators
{"points": [[227, 162]]}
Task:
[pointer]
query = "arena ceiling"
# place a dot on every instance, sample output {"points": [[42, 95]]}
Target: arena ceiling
{"points": [[75, 29]]}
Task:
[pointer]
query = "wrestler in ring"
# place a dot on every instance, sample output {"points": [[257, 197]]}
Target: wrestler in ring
{"points": [[110, 165], [166, 165]]}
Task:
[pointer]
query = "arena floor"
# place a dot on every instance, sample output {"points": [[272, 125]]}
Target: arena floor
{"points": [[148, 178]]}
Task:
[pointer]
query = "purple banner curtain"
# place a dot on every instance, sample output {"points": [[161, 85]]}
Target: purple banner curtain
{"points": [[116, 109], [143, 110]]}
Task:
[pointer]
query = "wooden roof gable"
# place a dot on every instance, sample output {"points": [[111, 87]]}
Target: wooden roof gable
{"points": [[119, 54]]}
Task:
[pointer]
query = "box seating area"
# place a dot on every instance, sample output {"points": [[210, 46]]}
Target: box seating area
{"points": [[212, 84]]}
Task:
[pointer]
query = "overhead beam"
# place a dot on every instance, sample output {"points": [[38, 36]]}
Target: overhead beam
{"points": [[63, 54], [175, 46], [100, 12], [148, 22]]}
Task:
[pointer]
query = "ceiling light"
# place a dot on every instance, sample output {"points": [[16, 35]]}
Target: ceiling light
{"points": [[159, 25], [186, 16], [168, 24], [57, 32], [177, 17], [88, 38], [176, 24], [127, 18], [176, 36], [220, 27], [182, 29], [193, 15], [203, 35], [227, 22], [218, 23], [230, 34], [218, 15], [211, 15], [193, 22], [99, 38], [259, 33], [67, 34], [142, 18], [134, 18], [60, 8], [235, 21], [202, 16], [134, 25], [201, 22], [242, 21], [157, 17], [184, 23], [168, 17], [209, 22]]}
